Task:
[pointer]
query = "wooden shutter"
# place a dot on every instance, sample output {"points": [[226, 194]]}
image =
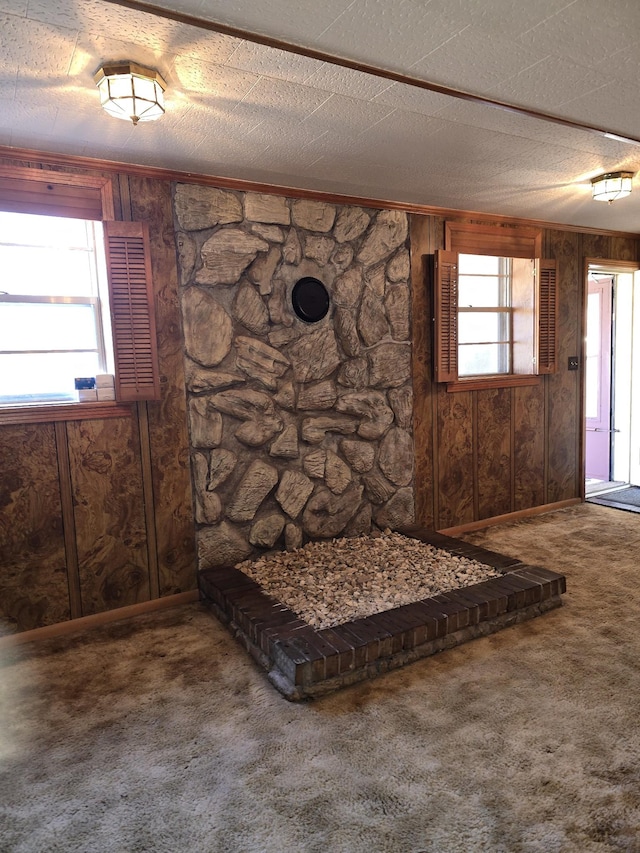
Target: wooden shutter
{"points": [[547, 313], [445, 300], [132, 311]]}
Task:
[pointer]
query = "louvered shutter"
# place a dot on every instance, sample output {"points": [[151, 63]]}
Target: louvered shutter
{"points": [[547, 313], [446, 316], [132, 311]]}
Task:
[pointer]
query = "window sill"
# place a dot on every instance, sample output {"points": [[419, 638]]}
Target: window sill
{"points": [[488, 382], [52, 412]]}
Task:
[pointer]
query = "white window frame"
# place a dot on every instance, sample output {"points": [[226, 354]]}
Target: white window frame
{"points": [[98, 301], [503, 308]]}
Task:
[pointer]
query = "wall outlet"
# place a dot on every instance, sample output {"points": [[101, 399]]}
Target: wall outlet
{"points": [[574, 362]]}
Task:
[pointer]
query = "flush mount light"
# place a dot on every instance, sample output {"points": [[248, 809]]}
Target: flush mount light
{"points": [[130, 91], [612, 185]]}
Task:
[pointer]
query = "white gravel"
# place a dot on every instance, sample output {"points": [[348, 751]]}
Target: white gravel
{"points": [[327, 583]]}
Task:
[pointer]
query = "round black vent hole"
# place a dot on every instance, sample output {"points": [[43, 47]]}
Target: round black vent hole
{"points": [[310, 299]]}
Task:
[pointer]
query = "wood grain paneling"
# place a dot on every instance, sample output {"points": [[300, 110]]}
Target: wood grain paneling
{"points": [[421, 235], [455, 458], [130, 493], [33, 584], [528, 446], [623, 249], [493, 452], [537, 436], [109, 513], [151, 201], [128, 497], [593, 245], [563, 429], [68, 519]]}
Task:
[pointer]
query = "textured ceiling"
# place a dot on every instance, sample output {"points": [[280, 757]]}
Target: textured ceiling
{"points": [[240, 109]]}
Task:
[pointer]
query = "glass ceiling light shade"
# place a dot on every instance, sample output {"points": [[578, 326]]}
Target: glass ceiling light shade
{"points": [[612, 185], [130, 91]]}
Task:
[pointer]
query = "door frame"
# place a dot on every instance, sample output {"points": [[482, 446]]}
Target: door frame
{"points": [[606, 266], [597, 446]]}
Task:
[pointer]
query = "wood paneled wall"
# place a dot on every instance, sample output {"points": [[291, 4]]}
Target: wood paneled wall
{"points": [[97, 514], [485, 453]]}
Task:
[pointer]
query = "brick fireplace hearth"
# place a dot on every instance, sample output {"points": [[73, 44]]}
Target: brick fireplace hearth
{"points": [[303, 662]]}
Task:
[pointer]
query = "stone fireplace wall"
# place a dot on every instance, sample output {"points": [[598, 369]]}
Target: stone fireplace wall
{"points": [[298, 430]]}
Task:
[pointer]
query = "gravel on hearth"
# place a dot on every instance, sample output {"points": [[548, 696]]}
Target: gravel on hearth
{"points": [[330, 582]]}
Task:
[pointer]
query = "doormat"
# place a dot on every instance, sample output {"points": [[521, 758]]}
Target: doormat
{"points": [[627, 499]]}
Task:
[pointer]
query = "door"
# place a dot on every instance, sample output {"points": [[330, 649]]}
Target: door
{"points": [[598, 378]]}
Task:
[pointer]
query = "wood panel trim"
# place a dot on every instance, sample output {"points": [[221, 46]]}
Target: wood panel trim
{"points": [[508, 380], [435, 464], [547, 448], [146, 463], [475, 239], [611, 265], [474, 455], [96, 620], [512, 449], [582, 352], [581, 465], [68, 520], [158, 173], [64, 194], [125, 197], [56, 412], [509, 516]]}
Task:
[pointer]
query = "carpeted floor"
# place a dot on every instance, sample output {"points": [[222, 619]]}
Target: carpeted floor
{"points": [[160, 734]]}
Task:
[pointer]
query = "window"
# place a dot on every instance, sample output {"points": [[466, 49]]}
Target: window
{"points": [[75, 294], [484, 315], [494, 314], [53, 307]]}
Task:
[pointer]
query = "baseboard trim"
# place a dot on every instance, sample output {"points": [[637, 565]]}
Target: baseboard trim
{"points": [[85, 623], [509, 516]]}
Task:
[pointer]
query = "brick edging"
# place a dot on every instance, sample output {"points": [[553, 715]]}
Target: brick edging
{"points": [[303, 661]]}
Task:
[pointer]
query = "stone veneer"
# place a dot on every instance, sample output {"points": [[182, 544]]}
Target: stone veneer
{"points": [[298, 430]]}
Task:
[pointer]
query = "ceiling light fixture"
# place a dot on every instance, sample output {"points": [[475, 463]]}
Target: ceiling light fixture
{"points": [[611, 186], [130, 91]]}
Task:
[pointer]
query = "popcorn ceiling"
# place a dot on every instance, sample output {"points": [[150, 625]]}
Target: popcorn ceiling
{"points": [[330, 582]]}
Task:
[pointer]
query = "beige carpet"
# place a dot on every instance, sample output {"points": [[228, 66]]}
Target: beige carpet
{"points": [[160, 734]]}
